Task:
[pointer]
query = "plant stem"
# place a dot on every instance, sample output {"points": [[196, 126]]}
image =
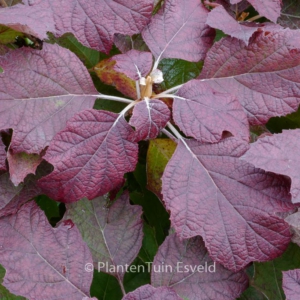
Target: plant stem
{"points": [[114, 98], [254, 18], [174, 130], [175, 88], [169, 135], [128, 107], [3, 3], [138, 91]]}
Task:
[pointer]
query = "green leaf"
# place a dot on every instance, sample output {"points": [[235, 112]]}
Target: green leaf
{"points": [[105, 287], [178, 71], [149, 246], [4, 293], [252, 294], [8, 35], [159, 153], [268, 275]]}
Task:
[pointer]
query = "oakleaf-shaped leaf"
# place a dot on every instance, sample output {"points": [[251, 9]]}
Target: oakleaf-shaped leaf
{"points": [[220, 19], [2, 156], [135, 64], [42, 262], [12, 197], [105, 70], [22, 164], [232, 205], [34, 20], [187, 268], [57, 86], [113, 233], [267, 8], [278, 154], [291, 284], [90, 156], [151, 293], [95, 22], [149, 118], [263, 76], [187, 37], [203, 113]]}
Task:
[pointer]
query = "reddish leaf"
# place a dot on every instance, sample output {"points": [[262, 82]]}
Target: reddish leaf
{"points": [[267, 8], [126, 43], [291, 284], [149, 118], [151, 293], [278, 154], [193, 274], [204, 114], [113, 233], [220, 19], [90, 156], [134, 64], [2, 156], [227, 201], [263, 76], [187, 37], [57, 86], [42, 262], [12, 198], [95, 22], [22, 164], [35, 20], [294, 221], [105, 70]]}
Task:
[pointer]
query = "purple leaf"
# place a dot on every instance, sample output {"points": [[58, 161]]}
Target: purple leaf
{"points": [[220, 19], [90, 156], [125, 43], [294, 221], [232, 205], [95, 22], [151, 293], [190, 271], [113, 233], [134, 64], [12, 198], [187, 36], [263, 76], [42, 262], [278, 154], [2, 156], [35, 20], [204, 114], [291, 284], [267, 8], [57, 86], [22, 164], [149, 118]]}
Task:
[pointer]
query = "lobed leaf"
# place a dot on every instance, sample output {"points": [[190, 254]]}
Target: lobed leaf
{"points": [[263, 76], [39, 92], [187, 37], [277, 153], [291, 284], [42, 262], [186, 267], [12, 197], [220, 19], [90, 156], [113, 233], [22, 164], [151, 293], [35, 20], [232, 205], [149, 117], [203, 113], [134, 64]]}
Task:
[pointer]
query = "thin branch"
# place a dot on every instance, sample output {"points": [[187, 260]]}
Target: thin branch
{"points": [[114, 98], [169, 135], [175, 88], [138, 90], [291, 16], [254, 18], [175, 131], [128, 107]]}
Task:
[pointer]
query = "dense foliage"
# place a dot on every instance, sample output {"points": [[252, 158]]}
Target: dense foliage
{"points": [[142, 150]]}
